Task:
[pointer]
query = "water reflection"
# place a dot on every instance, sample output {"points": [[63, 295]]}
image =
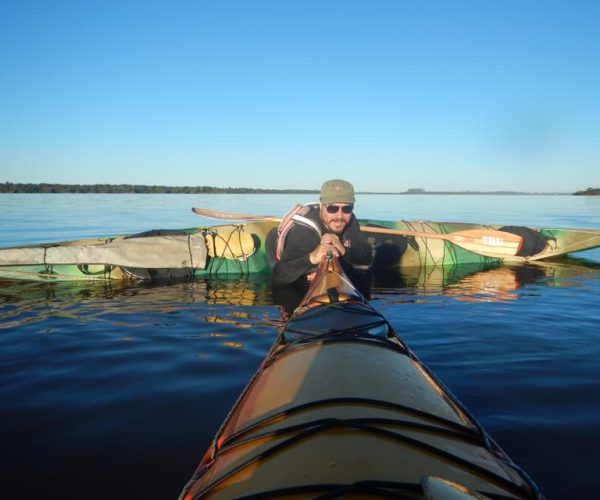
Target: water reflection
{"points": [[238, 291], [474, 282], [126, 354], [478, 282], [33, 301]]}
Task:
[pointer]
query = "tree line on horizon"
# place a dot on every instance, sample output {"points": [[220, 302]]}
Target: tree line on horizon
{"points": [[9, 187]]}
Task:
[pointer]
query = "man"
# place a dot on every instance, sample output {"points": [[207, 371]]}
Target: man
{"points": [[331, 226]]}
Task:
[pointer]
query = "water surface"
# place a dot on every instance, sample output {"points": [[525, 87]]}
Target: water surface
{"points": [[115, 390]]}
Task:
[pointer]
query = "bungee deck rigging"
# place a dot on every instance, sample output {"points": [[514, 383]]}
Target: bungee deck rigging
{"points": [[341, 405]]}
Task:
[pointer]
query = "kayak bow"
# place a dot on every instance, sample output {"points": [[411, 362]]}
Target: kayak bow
{"points": [[342, 407]]}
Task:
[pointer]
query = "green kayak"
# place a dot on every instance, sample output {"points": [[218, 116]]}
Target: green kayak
{"points": [[240, 249]]}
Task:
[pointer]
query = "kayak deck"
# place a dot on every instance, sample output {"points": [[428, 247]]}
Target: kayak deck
{"points": [[342, 407]]}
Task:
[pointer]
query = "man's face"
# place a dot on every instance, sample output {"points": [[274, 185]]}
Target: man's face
{"points": [[336, 221]]}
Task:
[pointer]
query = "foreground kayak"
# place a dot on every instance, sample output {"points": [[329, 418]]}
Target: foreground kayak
{"points": [[242, 249], [341, 407]]}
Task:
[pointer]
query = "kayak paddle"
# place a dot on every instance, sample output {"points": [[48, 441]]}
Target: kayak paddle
{"points": [[489, 242]]}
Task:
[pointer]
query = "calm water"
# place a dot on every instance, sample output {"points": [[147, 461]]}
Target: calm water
{"points": [[115, 391]]}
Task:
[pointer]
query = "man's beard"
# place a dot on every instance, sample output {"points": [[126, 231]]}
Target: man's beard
{"points": [[336, 231]]}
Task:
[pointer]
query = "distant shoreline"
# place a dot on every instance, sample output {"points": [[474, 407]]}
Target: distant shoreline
{"points": [[9, 187], [588, 192]]}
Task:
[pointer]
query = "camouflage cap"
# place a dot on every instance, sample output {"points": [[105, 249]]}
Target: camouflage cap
{"points": [[337, 191]]}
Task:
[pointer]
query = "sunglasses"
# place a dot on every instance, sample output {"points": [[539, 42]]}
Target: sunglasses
{"points": [[334, 209]]}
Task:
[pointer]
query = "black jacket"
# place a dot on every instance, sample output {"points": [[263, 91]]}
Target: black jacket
{"points": [[301, 240]]}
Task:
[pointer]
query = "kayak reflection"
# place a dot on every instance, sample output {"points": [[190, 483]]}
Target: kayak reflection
{"points": [[34, 301], [233, 291], [484, 283], [476, 282]]}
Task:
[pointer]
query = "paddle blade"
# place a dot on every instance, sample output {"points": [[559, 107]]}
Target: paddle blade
{"points": [[488, 242]]}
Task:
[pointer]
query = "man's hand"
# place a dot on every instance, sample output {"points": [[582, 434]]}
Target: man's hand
{"points": [[329, 242]]}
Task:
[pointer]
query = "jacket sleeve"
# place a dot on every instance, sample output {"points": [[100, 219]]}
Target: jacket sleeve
{"points": [[295, 262], [358, 250]]}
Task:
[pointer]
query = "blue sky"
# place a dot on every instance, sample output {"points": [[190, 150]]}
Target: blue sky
{"points": [[454, 95]]}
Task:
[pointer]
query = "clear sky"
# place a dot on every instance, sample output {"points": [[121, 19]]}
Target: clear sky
{"points": [[390, 94]]}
